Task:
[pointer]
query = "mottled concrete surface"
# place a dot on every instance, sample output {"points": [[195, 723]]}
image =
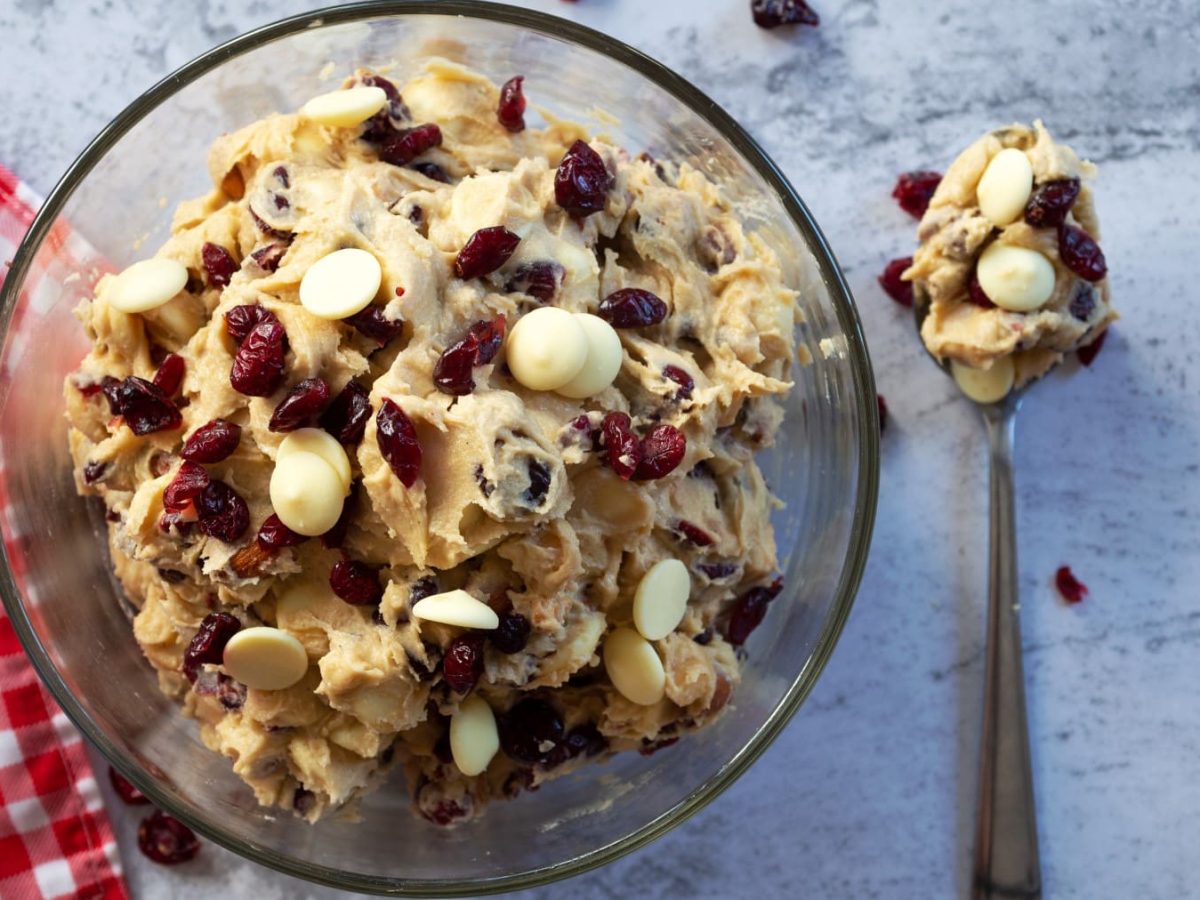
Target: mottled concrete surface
{"points": [[870, 790]]}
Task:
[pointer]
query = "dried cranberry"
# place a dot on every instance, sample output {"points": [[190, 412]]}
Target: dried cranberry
{"points": [[693, 534], [404, 146], [624, 448], [749, 611], [632, 308], [398, 444], [269, 257], [489, 337], [265, 228], [223, 513], [525, 729], [463, 662], [166, 840], [346, 418], [452, 373], [539, 483], [300, 405], [431, 170], [649, 748], [977, 295], [185, 487], [883, 412], [485, 251], [704, 638], [773, 13], [586, 740], [1083, 301], [717, 571], [663, 449], [94, 471], [231, 694], [512, 634], [208, 644], [258, 365], [913, 191], [274, 535], [893, 285], [1072, 589], [143, 405], [170, 374], [686, 383], [581, 181], [1050, 202], [371, 322], [539, 280], [219, 265], [1088, 352], [1080, 253], [212, 442], [241, 320], [423, 587], [356, 582], [511, 111], [125, 790], [381, 125], [303, 801]]}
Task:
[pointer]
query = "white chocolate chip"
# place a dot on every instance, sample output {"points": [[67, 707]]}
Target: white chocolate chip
{"points": [[146, 285], [307, 493], [320, 443], [456, 608], [265, 658], [661, 599], [604, 356], [634, 667], [474, 738], [345, 109], [547, 347], [1015, 278], [985, 385], [1005, 187], [340, 283]]}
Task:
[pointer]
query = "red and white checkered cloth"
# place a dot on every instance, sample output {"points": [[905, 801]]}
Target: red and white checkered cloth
{"points": [[55, 838]]}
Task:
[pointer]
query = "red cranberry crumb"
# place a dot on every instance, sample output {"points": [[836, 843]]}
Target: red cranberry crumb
{"points": [[893, 285], [218, 264], [581, 181], [94, 471], [977, 295], [143, 405], [1072, 589], [269, 257], [527, 728], [240, 320], [512, 634], [185, 487], [212, 442], [398, 444], [356, 582], [431, 170], [773, 13], [632, 308], [1080, 253], [208, 644], [1050, 202], [346, 418], [539, 280], [170, 374], [300, 406], [686, 383], [404, 146], [883, 412], [463, 663], [274, 535], [913, 191], [1088, 352], [166, 840], [511, 111], [662, 450], [485, 251], [624, 448], [125, 789], [223, 513], [749, 611], [693, 534], [372, 323]]}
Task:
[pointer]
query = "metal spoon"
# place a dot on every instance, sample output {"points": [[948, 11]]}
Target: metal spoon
{"points": [[1006, 845]]}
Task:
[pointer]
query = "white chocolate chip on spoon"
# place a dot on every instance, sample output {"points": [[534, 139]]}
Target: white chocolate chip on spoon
{"points": [[320, 443], [985, 385], [474, 738], [307, 493], [146, 285], [265, 658], [340, 283], [547, 347], [661, 599], [1015, 278], [456, 608], [604, 356], [346, 108], [634, 667], [1005, 187]]}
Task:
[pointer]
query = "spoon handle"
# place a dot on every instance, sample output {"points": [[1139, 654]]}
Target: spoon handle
{"points": [[1006, 846]]}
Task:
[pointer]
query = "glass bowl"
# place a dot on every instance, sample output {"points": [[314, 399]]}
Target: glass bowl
{"points": [[114, 205]]}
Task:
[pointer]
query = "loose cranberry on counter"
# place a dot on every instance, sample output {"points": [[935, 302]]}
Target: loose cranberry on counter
{"points": [[166, 840], [223, 513], [170, 374], [212, 442], [143, 405], [300, 405], [539, 280], [218, 264], [125, 789], [883, 412], [511, 111], [356, 582], [485, 251], [398, 444], [632, 308], [1088, 352], [749, 611], [582, 181], [663, 448], [512, 634], [274, 535], [1080, 253], [346, 418], [773, 13], [622, 445], [404, 146], [1050, 202], [463, 662], [686, 383], [893, 285], [372, 323], [1071, 588], [208, 644], [914, 190]]}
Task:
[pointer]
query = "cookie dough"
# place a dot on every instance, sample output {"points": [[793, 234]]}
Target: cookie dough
{"points": [[991, 269], [533, 520]]}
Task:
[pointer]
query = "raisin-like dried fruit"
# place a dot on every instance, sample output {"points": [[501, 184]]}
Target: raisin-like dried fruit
{"points": [[166, 840], [223, 513], [539, 483], [453, 372], [622, 445], [749, 611], [371, 322], [893, 285], [582, 181], [512, 634], [663, 449], [346, 418], [1080, 253], [977, 295], [686, 383], [218, 263], [398, 444], [270, 256], [212, 442], [170, 374], [1088, 352], [274, 535], [539, 280], [431, 170], [485, 251], [1071, 588], [300, 405], [773, 13], [404, 146], [240, 320], [632, 308], [511, 111], [125, 789], [257, 369], [356, 582], [883, 412], [914, 190], [1050, 202], [463, 662], [208, 644], [185, 487], [530, 726], [143, 405], [693, 534]]}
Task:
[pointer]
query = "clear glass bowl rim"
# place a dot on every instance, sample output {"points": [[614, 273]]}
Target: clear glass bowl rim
{"points": [[847, 316]]}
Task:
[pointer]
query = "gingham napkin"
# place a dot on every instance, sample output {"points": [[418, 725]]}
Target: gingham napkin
{"points": [[55, 838]]}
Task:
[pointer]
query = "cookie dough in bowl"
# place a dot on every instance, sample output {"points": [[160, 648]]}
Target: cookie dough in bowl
{"points": [[427, 442]]}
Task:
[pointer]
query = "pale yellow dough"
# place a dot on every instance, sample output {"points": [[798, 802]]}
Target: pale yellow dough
{"points": [[570, 561]]}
